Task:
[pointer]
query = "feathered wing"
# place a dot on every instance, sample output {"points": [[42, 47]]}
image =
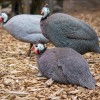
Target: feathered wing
{"points": [[66, 31], [48, 66], [26, 28], [69, 27], [36, 38], [46, 63], [24, 23], [77, 72]]}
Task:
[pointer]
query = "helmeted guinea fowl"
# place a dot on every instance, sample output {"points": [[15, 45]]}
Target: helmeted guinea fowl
{"points": [[64, 65], [25, 28], [64, 30]]}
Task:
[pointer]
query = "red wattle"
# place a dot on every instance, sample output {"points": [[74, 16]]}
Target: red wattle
{"points": [[36, 52], [1, 19]]}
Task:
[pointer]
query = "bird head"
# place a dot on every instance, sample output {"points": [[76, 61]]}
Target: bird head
{"points": [[45, 11], [39, 48], [3, 17]]}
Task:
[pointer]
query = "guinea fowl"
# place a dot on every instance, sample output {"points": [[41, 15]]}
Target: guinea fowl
{"points": [[64, 30], [64, 65], [25, 28]]}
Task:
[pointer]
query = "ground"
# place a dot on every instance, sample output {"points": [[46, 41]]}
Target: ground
{"points": [[18, 73]]}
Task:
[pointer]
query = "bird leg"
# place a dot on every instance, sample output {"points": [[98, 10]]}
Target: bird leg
{"points": [[29, 52]]}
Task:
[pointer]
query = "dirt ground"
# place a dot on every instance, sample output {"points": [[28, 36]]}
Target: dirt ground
{"points": [[18, 73]]}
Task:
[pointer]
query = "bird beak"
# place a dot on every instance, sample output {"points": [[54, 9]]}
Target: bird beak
{"points": [[42, 13], [35, 50]]}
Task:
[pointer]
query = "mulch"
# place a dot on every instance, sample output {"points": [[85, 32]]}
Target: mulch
{"points": [[18, 73]]}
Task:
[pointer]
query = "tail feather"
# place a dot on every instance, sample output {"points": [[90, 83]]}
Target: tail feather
{"points": [[90, 84]]}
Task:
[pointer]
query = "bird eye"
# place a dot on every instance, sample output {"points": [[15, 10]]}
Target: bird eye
{"points": [[36, 45]]}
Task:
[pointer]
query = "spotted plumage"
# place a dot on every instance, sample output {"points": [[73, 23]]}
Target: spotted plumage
{"points": [[64, 30], [26, 28], [65, 65]]}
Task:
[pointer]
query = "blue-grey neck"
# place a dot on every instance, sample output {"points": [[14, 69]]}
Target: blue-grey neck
{"points": [[44, 18], [42, 51]]}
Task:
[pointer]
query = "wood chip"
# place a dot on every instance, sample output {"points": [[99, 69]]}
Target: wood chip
{"points": [[31, 89], [49, 82], [18, 73], [74, 92], [56, 93], [19, 93], [98, 84], [97, 77]]}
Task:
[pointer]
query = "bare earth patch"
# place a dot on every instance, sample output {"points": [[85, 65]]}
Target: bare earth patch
{"points": [[18, 73]]}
